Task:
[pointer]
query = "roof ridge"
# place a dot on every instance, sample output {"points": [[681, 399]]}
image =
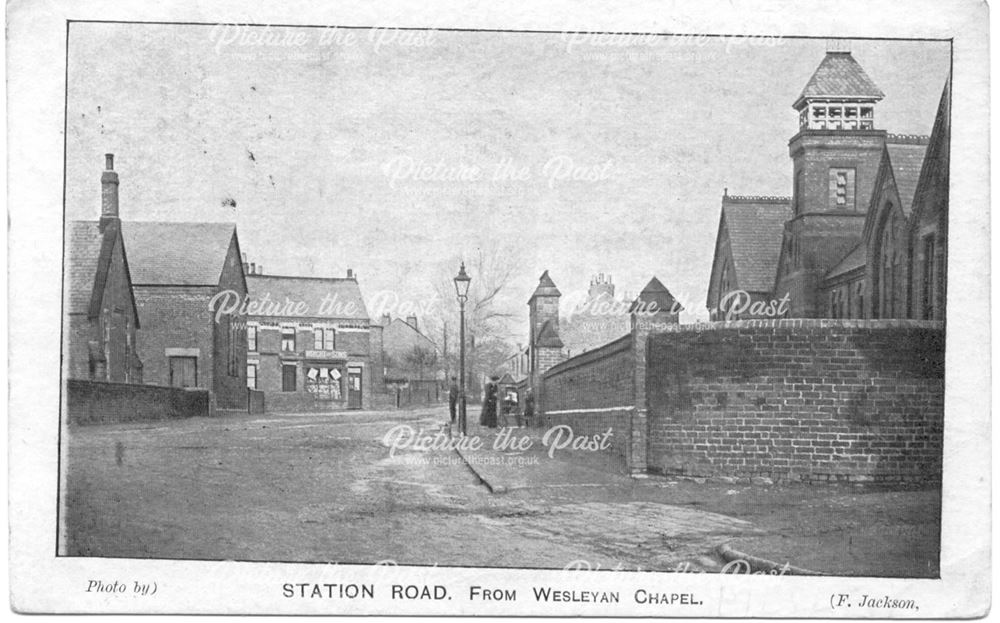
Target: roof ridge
{"points": [[756, 198], [304, 277]]}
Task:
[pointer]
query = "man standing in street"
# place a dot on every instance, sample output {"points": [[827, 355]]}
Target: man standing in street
{"points": [[453, 398]]}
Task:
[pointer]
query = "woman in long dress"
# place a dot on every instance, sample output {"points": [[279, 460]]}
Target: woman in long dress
{"points": [[489, 415]]}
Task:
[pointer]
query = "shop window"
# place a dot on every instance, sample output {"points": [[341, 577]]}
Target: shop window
{"points": [[324, 382]]}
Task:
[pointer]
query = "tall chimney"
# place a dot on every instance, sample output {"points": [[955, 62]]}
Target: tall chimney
{"points": [[350, 273], [412, 321], [109, 191]]}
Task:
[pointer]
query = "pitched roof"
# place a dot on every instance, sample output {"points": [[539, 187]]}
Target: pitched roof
{"points": [[83, 249], [324, 297], [906, 160], [756, 227], [88, 263], [546, 287], [548, 336], [656, 293], [184, 254], [839, 76], [852, 261]]}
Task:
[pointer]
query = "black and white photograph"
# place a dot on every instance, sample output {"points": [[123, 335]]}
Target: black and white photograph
{"points": [[510, 320]]}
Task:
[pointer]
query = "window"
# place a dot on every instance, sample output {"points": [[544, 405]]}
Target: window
{"points": [[329, 341], [288, 378], [233, 364], [323, 339], [317, 339], [252, 338], [842, 189], [324, 382], [927, 287], [288, 338], [252, 376], [183, 371], [859, 297]]}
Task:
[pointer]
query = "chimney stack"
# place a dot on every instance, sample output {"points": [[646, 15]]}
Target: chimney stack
{"points": [[386, 319], [350, 273], [109, 191], [412, 321]]}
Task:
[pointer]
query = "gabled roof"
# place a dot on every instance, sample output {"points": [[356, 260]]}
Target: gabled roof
{"points": [[88, 263], [83, 250], [548, 336], [906, 160], [839, 76], [324, 297], [852, 261], [656, 293], [755, 226], [546, 287], [182, 254]]}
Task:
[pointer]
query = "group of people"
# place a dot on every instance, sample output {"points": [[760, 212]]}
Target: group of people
{"points": [[492, 403]]}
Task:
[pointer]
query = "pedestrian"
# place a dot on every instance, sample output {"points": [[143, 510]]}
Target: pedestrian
{"points": [[529, 407], [489, 414], [453, 398]]}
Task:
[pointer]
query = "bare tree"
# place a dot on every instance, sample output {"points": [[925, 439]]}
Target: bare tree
{"points": [[488, 312]]}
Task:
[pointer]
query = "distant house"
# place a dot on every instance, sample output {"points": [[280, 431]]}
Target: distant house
{"points": [[409, 355], [177, 271], [101, 309], [311, 345]]}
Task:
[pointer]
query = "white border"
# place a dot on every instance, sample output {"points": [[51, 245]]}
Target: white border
{"points": [[41, 582]]}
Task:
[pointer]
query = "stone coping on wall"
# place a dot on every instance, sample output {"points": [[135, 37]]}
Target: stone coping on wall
{"points": [[786, 323], [611, 348]]}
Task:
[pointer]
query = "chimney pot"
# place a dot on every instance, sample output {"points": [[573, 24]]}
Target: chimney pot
{"points": [[109, 192], [350, 273], [253, 268]]}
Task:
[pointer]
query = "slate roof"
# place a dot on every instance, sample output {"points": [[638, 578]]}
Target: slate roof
{"points": [[344, 294], [906, 160], [88, 263], [83, 250], [852, 261], [548, 336], [839, 76], [756, 227], [656, 292], [546, 287], [181, 254]]}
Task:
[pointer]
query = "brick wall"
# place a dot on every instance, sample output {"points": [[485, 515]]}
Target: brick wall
{"points": [[591, 393], [174, 317], [798, 399], [90, 402]]}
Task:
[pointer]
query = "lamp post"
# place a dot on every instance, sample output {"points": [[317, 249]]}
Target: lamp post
{"points": [[462, 290]]}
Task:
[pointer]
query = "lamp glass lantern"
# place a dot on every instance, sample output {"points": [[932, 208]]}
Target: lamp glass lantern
{"points": [[462, 282]]}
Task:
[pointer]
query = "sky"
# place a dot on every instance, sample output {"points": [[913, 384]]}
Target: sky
{"points": [[399, 153]]}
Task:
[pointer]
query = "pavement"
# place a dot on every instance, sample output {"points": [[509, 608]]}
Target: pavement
{"points": [[514, 458]]}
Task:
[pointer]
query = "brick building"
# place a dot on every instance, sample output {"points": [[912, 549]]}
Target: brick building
{"points": [[545, 347], [747, 248], [408, 354], [177, 271], [310, 343], [102, 318], [851, 246]]}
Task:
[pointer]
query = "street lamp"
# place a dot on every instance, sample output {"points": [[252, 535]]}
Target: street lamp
{"points": [[462, 290]]}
